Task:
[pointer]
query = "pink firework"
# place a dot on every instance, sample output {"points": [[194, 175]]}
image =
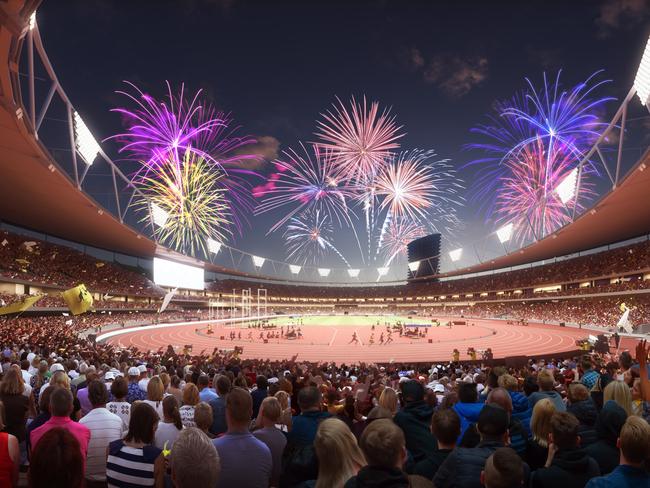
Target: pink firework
{"points": [[360, 139], [398, 234], [530, 195]]}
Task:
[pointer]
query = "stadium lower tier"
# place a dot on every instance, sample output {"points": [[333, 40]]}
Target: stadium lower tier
{"points": [[354, 339]]}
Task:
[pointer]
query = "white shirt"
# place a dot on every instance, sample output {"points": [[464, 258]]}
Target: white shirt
{"points": [[26, 376], [165, 433], [143, 383], [122, 410], [105, 427], [187, 415], [157, 406]]}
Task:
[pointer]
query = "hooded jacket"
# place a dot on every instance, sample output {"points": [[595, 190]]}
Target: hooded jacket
{"points": [[468, 413], [608, 427], [552, 395], [376, 477], [571, 468], [586, 412], [521, 409], [415, 420]]}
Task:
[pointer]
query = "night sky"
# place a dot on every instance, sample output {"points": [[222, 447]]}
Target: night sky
{"points": [[276, 65]]}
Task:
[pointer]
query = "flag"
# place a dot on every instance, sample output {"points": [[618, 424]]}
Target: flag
{"points": [[166, 300], [78, 299], [20, 306], [99, 264], [623, 307]]}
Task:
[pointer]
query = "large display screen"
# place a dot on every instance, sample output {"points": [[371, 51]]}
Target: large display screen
{"points": [[176, 275]]}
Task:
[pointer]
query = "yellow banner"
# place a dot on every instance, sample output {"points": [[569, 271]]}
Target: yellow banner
{"points": [[78, 299], [20, 306]]}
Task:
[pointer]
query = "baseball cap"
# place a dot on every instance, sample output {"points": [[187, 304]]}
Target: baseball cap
{"points": [[56, 367], [142, 368], [439, 388], [492, 421], [109, 376], [133, 371]]}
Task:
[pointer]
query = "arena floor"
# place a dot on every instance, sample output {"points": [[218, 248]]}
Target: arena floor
{"points": [[327, 338]]}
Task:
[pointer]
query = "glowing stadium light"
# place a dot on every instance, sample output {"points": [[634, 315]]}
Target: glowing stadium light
{"points": [[159, 215], [414, 266], [324, 272], [294, 268], [566, 190], [32, 20], [456, 254], [214, 246], [353, 273], [383, 271], [258, 261], [84, 141], [505, 233], [642, 80]]}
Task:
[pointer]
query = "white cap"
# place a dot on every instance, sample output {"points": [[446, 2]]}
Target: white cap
{"points": [[353, 379], [56, 367], [133, 371], [109, 376], [31, 356], [273, 380], [439, 388], [73, 374], [142, 368]]}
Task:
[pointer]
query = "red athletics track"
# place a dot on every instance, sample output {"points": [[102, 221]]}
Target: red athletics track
{"points": [[331, 343]]}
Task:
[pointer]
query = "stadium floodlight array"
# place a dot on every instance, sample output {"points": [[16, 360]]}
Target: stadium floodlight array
{"points": [[159, 215], [353, 273], [258, 261], [566, 190], [642, 80], [324, 272], [414, 266], [85, 143], [294, 268], [214, 246], [505, 233], [383, 271], [456, 254]]}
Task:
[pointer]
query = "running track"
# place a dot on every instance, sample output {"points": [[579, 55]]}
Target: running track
{"points": [[331, 343]]}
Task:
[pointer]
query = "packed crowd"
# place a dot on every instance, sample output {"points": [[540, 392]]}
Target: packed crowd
{"points": [[81, 416]]}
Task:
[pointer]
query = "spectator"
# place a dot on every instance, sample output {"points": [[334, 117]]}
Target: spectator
{"points": [[238, 446], [269, 434], [260, 393], [60, 379], [134, 392], [175, 388], [57, 461], [445, 427], [608, 429], [589, 375], [546, 383], [468, 408], [415, 420], [82, 392], [16, 404], [41, 418], [203, 418], [171, 425], [9, 455], [61, 407], [206, 394], [143, 380], [567, 465], [104, 427], [503, 469], [286, 417], [190, 399], [619, 392], [384, 447], [194, 461], [521, 409], [582, 406], [305, 425], [155, 395], [388, 399], [540, 425], [120, 406], [134, 460], [634, 444], [218, 406], [463, 466]]}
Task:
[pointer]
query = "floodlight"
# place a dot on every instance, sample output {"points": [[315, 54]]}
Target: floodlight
{"points": [[294, 268], [383, 271], [214, 246], [566, 190], [354, 273], [32, 20], [642, 80], [414, 266], [324, 272], [159, 215], [505, 233], [456, 254], [258, 261], [84, 141]]}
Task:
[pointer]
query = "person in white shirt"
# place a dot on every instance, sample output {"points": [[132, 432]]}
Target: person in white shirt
{"points": [[155, 394], [105, 427], [171, 425], [144, 377], [119, 406]]}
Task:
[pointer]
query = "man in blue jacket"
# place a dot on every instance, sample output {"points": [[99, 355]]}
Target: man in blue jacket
{"points": [[468, 408]]}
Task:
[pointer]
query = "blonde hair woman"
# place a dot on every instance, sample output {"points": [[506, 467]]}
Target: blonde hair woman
{"points": [[388, 400], [620, 393], [190, 399], [285, 417], [155, 394], [339, 456], [540, 426]]}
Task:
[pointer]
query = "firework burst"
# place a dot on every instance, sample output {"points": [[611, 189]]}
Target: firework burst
{"points": [[309, 238], [191, 200], [397, 237], [360, 138]]}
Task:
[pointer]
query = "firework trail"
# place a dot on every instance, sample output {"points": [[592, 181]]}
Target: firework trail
{"points": [[398, 235], [309, 237]]}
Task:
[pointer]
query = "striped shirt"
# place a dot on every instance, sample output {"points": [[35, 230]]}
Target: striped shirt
{"points": [[129, 466], [105, 427]]}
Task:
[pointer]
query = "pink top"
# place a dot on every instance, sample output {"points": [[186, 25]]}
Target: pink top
{"points": [[79, 431]]}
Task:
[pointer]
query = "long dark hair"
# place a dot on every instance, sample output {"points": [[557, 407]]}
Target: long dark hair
{"points": [[141, 424], [170, 409]]}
